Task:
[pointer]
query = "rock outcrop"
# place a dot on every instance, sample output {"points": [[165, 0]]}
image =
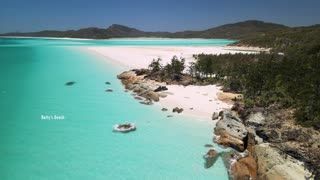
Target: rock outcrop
{"points": [[231, 130], [272, 164], [273, 146], [135, 81]]}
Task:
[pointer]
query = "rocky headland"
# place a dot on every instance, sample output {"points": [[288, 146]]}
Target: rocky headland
{"points": [[145, 90], [267, 143]]}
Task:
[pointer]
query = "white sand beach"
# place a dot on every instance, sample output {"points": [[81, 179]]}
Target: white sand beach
{"points": [[197, 101], [200, 101], [140, 57]]}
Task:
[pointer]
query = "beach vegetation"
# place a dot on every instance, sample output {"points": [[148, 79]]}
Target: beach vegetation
{"points": [[155, 65], [289, 80]]}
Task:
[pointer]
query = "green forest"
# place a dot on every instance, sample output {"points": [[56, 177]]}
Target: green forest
{"points": [[286, 77]]}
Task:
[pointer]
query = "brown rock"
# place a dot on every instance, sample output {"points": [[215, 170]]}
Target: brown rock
{"points": [[137, 89], [153, 95], [240, 171], [126, 75], [229, 141], [210, 158], [178, 110], [162, 95], [273, 165]]}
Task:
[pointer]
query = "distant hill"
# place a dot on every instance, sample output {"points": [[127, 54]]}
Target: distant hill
{"points": [[239, 30], [283, 39]]}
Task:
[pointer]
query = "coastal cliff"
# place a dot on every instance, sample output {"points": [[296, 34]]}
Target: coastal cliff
{"points": [[273, 146]]}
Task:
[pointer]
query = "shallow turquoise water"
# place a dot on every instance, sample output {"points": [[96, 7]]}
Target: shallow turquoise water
{"points": [[82, 145]]}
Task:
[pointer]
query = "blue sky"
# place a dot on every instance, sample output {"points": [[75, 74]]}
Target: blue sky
{"points": [[151, 15]]}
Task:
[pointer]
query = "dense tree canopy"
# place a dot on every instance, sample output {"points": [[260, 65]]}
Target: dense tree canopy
{"points": [[290, 80]]}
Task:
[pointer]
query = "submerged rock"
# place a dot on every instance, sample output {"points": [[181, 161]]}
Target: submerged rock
{"points": [[146, 102], [208, 145], [70, 83], [109, 90], [107, 82], [138, 98], [164, 109], [210, 158]]}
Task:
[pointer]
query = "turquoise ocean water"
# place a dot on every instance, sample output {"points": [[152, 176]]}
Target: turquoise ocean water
{"points": [[33, 72]]}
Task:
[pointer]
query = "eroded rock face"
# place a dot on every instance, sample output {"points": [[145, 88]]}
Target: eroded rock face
{"points": [[293, 149], [256, 120], [273, 165]]}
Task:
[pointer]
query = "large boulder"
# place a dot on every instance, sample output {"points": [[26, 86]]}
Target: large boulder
{"points": [[152, 95], [138, 89], [231, 130], [232, 125], [227, 140], [127, 77]]}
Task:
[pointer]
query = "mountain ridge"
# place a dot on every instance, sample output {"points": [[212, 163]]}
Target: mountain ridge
{"points": [[238, 30]]}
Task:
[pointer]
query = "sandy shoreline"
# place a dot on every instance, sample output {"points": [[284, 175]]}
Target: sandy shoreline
{"points": [[140, 57], [197, 101]]}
